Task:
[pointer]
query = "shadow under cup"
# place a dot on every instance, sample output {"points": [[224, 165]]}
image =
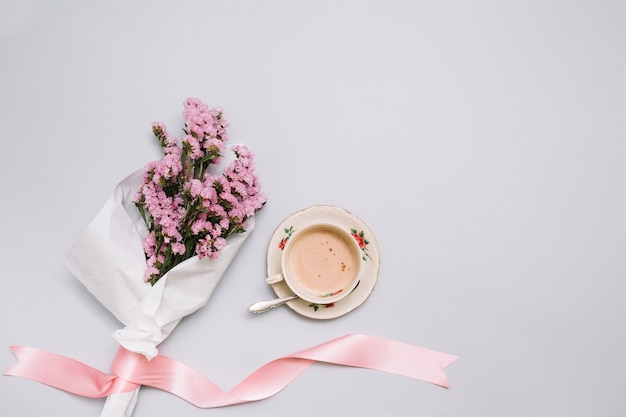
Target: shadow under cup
{"points": [[321, 263]]}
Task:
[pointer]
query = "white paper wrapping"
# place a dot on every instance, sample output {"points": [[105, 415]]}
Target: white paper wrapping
{"points": [[108, 258]]}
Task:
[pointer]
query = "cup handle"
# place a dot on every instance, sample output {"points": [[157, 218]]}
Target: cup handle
{"points": [[274, 279]]}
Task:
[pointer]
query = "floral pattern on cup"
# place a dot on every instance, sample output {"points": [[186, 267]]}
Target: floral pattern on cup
{"points": [[330, 294], [329, 305]]}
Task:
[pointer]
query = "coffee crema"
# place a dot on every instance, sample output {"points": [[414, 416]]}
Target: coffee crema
{"points": [[323, 261]]}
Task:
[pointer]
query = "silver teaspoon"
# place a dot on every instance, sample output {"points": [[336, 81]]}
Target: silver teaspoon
{"points": [[263, 306]]}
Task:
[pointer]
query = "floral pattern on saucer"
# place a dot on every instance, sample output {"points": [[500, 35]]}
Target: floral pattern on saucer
{"points": [[284, 240], [316, 307], [362, 241]]}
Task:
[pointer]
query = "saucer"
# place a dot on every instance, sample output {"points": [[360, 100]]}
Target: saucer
{"points": [[370, 259]]}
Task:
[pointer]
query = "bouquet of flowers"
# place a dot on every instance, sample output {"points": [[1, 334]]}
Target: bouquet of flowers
{"points": [[188, 210], [177, 223]]}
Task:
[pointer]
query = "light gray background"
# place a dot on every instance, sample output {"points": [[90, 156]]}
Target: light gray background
{"points": [[483, 142]]}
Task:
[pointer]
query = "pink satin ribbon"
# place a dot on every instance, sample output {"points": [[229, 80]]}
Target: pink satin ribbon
{"points": [[131, 370]]}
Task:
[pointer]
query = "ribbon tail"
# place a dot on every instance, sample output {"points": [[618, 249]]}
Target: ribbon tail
{"points": [[363, 351], [65, 373]]}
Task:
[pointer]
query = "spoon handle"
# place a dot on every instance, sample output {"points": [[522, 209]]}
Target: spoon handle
{"points": [[263, 306]]}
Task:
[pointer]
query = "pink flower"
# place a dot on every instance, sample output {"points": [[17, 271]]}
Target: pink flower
{"points": [[169, 167], [203, 248], [200, 226], [178, 248], [220, 243], [194, 187], [215, 231], [193, 147], [208, 192], [149, 244], [149, 273]]}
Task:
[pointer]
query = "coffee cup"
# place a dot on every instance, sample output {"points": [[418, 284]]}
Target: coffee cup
{"points": [[321, 263]]}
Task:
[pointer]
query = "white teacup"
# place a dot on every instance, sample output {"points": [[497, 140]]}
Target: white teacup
{"points": [[321, 263]]}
